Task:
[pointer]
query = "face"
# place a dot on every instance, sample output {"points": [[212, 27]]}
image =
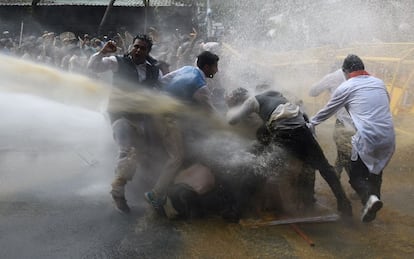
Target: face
{"points": [[210, 70], [139, 51]]}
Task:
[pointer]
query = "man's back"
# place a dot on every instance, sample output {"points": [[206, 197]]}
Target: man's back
{"points": [[184, 82], [368, 103]]}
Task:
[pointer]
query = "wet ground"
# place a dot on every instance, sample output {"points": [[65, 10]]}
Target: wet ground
{"points": [[56, 166]]}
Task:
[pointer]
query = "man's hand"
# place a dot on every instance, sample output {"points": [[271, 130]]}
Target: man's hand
{"points": [[311, 128], [109, 47]]}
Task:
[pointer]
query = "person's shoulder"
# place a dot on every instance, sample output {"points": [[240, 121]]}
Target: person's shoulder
{"points": [[184, 69], [190, 68], [152, 61], [119, 58], [376, 79], [195, 71], [366, 79], [378, 82]]}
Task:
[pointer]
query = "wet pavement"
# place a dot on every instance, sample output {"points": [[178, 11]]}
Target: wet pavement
{"points": [[56, 166]]}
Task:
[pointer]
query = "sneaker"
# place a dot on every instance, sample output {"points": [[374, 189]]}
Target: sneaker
{"points": [[121, 204], [371, 207], [156, 203]]}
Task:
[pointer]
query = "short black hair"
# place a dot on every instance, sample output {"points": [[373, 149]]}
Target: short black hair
{"points": [[206, 58], [352, 63], [145, 38]]}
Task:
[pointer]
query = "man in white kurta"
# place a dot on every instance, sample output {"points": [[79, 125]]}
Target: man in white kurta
{"points": [[366, 99]]}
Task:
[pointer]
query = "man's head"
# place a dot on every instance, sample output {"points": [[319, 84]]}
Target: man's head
{"points": [[140, 49], [236, 97], [208, 63], [352, 63]]}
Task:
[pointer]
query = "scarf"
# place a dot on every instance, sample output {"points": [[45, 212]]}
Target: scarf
{"points": [[358, 73]]}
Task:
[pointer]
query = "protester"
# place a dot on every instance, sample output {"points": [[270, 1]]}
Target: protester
{"points": [[367, 101], [286, 126], [132, 130], [188, 84], [344, 127]]}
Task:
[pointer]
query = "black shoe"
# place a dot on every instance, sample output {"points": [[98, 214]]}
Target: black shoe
{"points": [[121, 204]]}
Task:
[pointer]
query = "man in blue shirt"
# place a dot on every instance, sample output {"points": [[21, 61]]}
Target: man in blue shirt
{"points": [[189, 85]]}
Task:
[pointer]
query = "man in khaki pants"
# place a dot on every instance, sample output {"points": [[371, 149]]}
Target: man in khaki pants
{"points": [[132, 130]]}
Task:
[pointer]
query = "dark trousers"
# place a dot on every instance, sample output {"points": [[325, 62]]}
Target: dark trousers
{"points": [[303, 145], [364, 182]]}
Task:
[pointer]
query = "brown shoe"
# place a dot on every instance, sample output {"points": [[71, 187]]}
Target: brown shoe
{"points": [[121, 204]]}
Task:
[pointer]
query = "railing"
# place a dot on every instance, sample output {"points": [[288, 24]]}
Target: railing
{"points": [[391, 62]]}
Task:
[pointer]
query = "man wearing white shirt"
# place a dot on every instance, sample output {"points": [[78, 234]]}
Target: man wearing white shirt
{"points": [[367, 101], [132, 131]]}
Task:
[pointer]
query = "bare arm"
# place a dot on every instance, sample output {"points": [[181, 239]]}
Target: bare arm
{"points": [[249, 106]]}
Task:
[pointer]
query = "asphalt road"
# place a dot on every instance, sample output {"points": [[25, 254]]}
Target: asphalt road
{"points": [[56, 166]]}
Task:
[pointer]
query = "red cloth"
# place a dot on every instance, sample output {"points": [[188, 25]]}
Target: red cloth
{"points": [[358, 73]]}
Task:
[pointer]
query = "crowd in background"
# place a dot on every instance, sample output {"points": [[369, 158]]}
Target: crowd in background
{"points": [[71, 52]]}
